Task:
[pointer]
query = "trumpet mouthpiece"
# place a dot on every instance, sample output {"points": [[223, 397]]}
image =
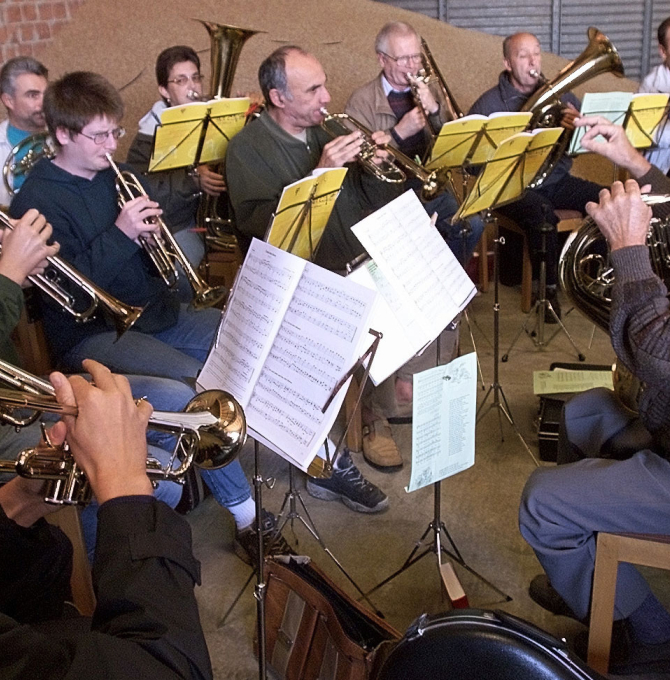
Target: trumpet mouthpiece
{"points": [[534, 73], [324, 110]]}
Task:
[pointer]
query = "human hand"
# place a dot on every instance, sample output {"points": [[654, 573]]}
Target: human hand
{"points": [[131, 219], [411, 123], [24, 247], [212, 183], [615, 146], [568, 116], [108, 436], [621, 215], [341, 150], [424, 94]]}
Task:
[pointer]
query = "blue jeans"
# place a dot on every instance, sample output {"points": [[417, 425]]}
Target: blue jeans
{"points": [[177, 352], [193, 247], [462, 245]]}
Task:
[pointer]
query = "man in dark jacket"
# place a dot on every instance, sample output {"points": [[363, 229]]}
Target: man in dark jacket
{"points": [[522, 59], [146, 622]]}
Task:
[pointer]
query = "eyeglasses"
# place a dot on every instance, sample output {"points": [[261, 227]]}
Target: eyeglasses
{"points": [[100, 138], [405, 60], [196, 79]]}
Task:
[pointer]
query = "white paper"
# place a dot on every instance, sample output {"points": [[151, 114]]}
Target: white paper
{"points": [[612, 105], [443, 421], [418, 276], [304, 327]]}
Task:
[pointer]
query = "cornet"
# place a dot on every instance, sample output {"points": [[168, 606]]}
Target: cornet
{"points": [[123, 316], [210, 432], [393, 171], [162, 248]]}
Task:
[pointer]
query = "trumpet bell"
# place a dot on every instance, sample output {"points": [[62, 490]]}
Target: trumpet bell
{"points": [[220, 441]]}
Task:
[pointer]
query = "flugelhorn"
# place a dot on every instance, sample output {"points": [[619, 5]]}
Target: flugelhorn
{"points": [[122, 315], [210, 432], [163, 249], [393, 171]]}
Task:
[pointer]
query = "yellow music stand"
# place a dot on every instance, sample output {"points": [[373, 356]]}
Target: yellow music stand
{"points": [[303, 212], [644, 115], [196, 133]]}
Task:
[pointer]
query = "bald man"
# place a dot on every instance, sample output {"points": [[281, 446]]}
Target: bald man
{"points": [[522, 61]]}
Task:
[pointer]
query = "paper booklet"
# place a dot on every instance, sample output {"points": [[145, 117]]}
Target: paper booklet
{"points": [[198, 132], [304, 210], [611, 105], [290, 332], [422, 285], [645, 114]]}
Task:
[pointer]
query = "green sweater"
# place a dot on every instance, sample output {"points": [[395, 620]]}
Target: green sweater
{"points": [[263, 158]]}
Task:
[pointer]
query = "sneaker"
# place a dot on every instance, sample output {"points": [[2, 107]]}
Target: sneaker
{"points": [[246, 540], [348, 485], [543, 593], [379, 448]]}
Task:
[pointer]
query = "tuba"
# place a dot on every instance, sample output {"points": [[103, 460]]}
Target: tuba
{"points": [[226, 43], [162, 248], [392, 171], [587, 279], [600, 56], [123, 316], [31, 149], [210, 432]]}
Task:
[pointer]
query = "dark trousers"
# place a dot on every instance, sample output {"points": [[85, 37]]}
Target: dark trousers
{"points": [[536, 207]]}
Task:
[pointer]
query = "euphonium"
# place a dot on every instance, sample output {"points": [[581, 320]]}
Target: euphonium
{"points": [[123, 316], [210, 432], [392, 171], [600, 56], [31, 149], [163, 249]]}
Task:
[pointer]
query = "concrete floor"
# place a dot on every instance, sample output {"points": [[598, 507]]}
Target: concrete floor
{"points": [[479, 508]]}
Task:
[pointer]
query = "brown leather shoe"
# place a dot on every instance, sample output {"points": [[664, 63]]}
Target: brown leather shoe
{"points": [[379, 449]]}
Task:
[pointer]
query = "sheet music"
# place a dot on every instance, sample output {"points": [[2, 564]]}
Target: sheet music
{"points": [[443, 421], [291, 331], [417, 262]]}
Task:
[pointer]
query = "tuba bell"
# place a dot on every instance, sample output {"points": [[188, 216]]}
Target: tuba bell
{"points": [[600, 56]]}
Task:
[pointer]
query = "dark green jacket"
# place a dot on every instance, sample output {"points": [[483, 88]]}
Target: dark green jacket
{"points": [[11, 304]]}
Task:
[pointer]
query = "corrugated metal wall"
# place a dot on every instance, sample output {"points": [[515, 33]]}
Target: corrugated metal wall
{"points": [[560, 25]]}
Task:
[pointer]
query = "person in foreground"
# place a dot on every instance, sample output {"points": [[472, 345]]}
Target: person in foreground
{"points": [[563, 508], [146, 621]]}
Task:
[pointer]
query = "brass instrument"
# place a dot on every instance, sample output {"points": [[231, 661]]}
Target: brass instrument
{"points": [[122, 315], [600, 56], [226, 43], [210, 432], [430, 73], [163, 249], [392, 171], [36, 146], [587, 278]]}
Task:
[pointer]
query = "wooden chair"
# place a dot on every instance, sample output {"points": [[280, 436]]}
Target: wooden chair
{"points": [[568, 220], [67, 518], [648, 550]]}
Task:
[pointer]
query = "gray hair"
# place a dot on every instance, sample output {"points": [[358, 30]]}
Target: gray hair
{"points": [[17, 67], [390, 29], [272, 72]]}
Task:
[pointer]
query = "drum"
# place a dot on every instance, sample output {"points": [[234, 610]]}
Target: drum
{"points": [[471, 644]]}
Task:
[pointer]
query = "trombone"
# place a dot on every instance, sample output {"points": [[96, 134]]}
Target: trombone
{"points": [[163, 249], [122, 315], [210, 433]]}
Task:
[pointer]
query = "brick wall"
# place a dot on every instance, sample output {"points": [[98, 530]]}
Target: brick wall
{"points": [[27, 26]]}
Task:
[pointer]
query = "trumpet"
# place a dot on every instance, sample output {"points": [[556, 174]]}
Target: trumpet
{"points": [[163, 249], [395, 171], [122, 315], [210, 432]]}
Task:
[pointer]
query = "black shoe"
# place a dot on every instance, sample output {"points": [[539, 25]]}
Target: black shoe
{"points": [[544, 594], [246, 540], [348, 485]]}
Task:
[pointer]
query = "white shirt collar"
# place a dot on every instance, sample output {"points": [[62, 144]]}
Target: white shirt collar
{"points": [[388, 88]]}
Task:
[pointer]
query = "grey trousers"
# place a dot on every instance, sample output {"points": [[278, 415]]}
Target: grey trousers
{"points": [[563, 508]]}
